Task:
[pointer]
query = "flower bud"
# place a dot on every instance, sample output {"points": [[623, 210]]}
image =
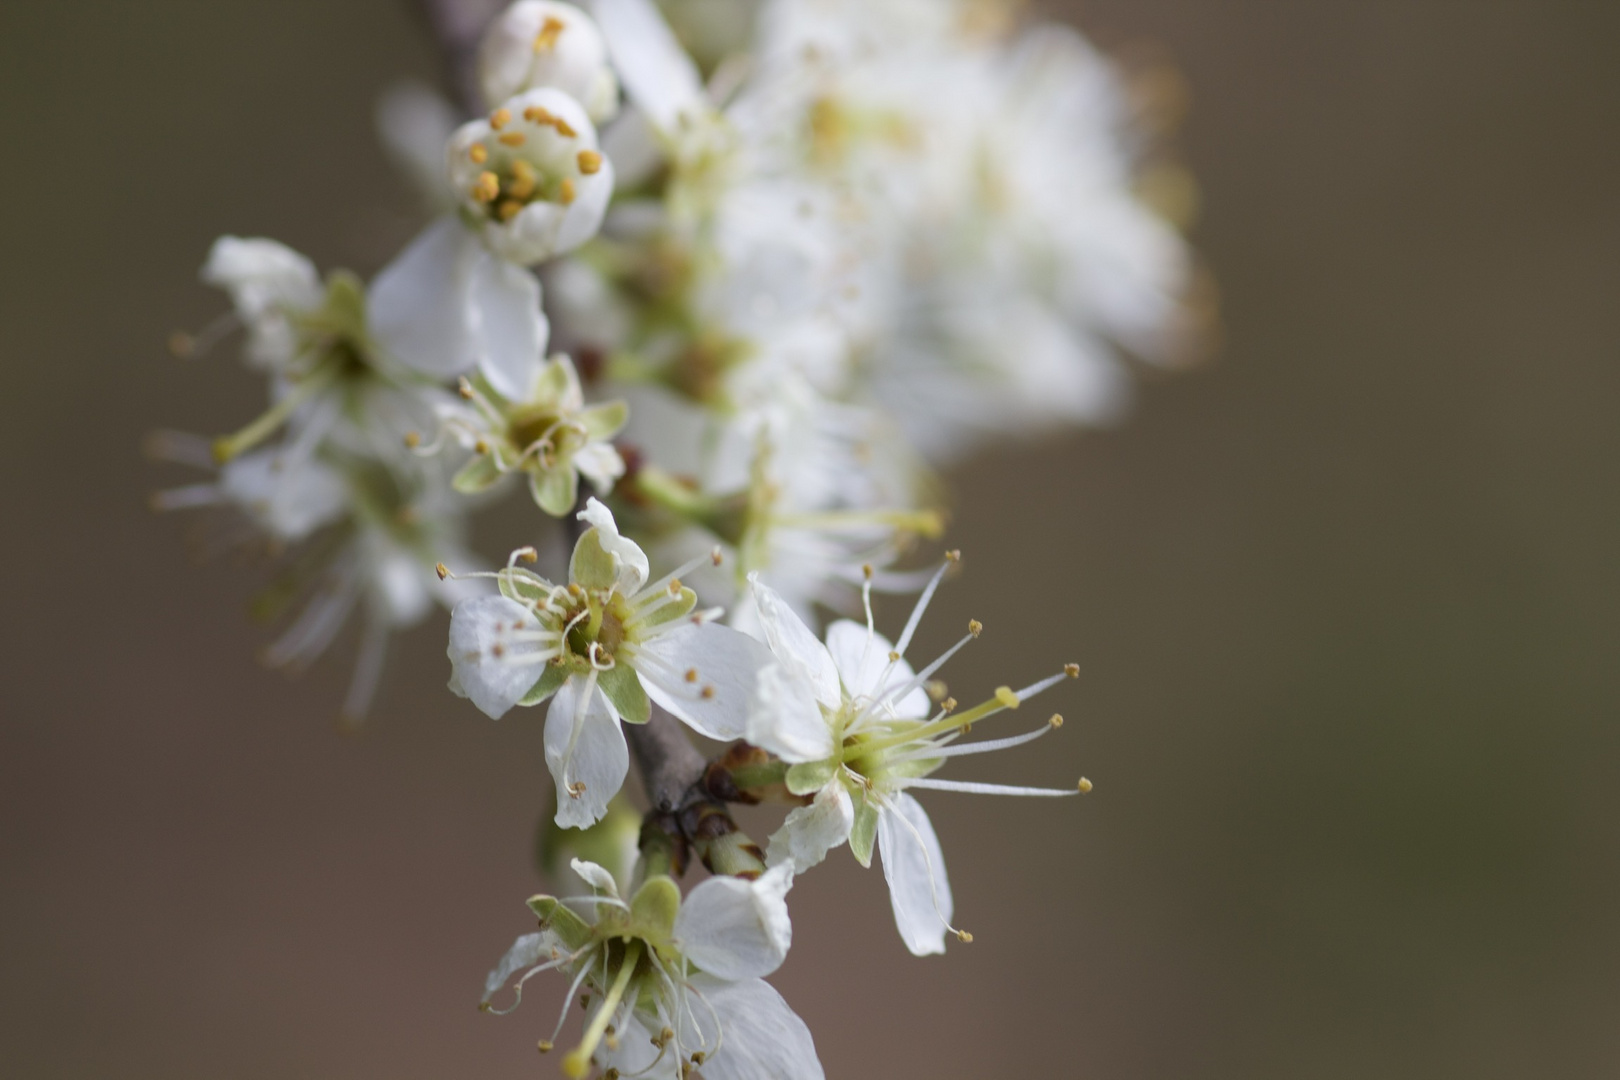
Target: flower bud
{"points": [[531, 176], [541, 43]]}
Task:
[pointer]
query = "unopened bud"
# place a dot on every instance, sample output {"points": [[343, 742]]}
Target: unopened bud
{"points": [[539, 43]]}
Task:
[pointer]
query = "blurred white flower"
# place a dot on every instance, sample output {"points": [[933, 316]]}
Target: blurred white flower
{"points": [[542, 43]]}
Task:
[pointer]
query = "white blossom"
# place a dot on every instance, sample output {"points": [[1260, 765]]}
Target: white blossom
{"points": [[602, 647], [857, 725], [677, 983]]}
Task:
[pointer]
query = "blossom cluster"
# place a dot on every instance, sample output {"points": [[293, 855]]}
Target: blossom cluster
{"points": [[716, 293]]}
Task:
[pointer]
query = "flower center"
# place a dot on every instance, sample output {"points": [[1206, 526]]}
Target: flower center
{"points": [[526, 159]]}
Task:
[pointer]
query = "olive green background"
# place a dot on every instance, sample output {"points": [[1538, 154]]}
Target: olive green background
{"points": [[1345, 600]]}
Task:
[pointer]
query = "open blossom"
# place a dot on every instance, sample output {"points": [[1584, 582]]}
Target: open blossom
{"points": [[675, 984], [858, 726], [550, 434], [599, 647], [540, 43]]}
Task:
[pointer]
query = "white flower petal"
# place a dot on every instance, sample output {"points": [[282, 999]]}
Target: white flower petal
{"points": [[764, 1039], [415, 122], [736, 929], [598, 758], [725, 660], [594, 875], [914, 866], [262, 275], [658, 76], [863, 663], [525, 952], [509, 329], [792, 641], [784, 718], [809, 832], [418, 307], [487, 665]]}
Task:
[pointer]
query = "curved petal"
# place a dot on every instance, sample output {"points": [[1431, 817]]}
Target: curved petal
{"points": [[809, 832], [590, 767], [784, 718], [525, 952], [863, 663], [595, 875], [736, 929], [509, 328], [914, 866], [704, 674], [763, 1038], [417, 306], [791, 640], [487, 664], [658, 76]]}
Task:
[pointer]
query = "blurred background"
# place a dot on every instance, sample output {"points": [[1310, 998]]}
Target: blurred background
{"points": [[1345, 599]]}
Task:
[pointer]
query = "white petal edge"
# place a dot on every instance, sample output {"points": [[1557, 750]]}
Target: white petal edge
{"points": [[479, 629], [600, 758], [793, 642], [784, 718], [764, 1038], [911, 859], [509, 329], [736, 929], [727, 660], [417, 306], [809, 832]]}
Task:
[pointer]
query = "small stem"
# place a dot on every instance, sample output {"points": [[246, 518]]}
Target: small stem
{"points": [[577, 1062], [227, 447]]}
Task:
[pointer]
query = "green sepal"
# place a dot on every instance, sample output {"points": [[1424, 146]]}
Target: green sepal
{"points": [[477, 475], [653, 908], [555, 489], [810, 777], [549, 682], [557, 917], [604, 421], [623, 689], [591, 565], [864, 832], [675, 609]]}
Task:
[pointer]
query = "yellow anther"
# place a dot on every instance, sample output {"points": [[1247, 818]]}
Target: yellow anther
{"points": [[1072, 670], [563, 128], [716, 557], [544, 1046], [508, 209], [512, 138], [412, 440], [522, 184], [1007, 698], [497, 650], [698, 1057], [964, 937], [500, 118], [464, 388], [707, 693], [691, 674], [1056, 721], [675, 587], [528, 555], [893, 656], [590, 162], [550, 31], [975, 627], [1085, 785], [663, 1037], [537, 114], [565, 191], [954, 555], [478, 152], [487, 187], [442, 570], [576, 789], [481, 447], [949, 704], [866, 571]]}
